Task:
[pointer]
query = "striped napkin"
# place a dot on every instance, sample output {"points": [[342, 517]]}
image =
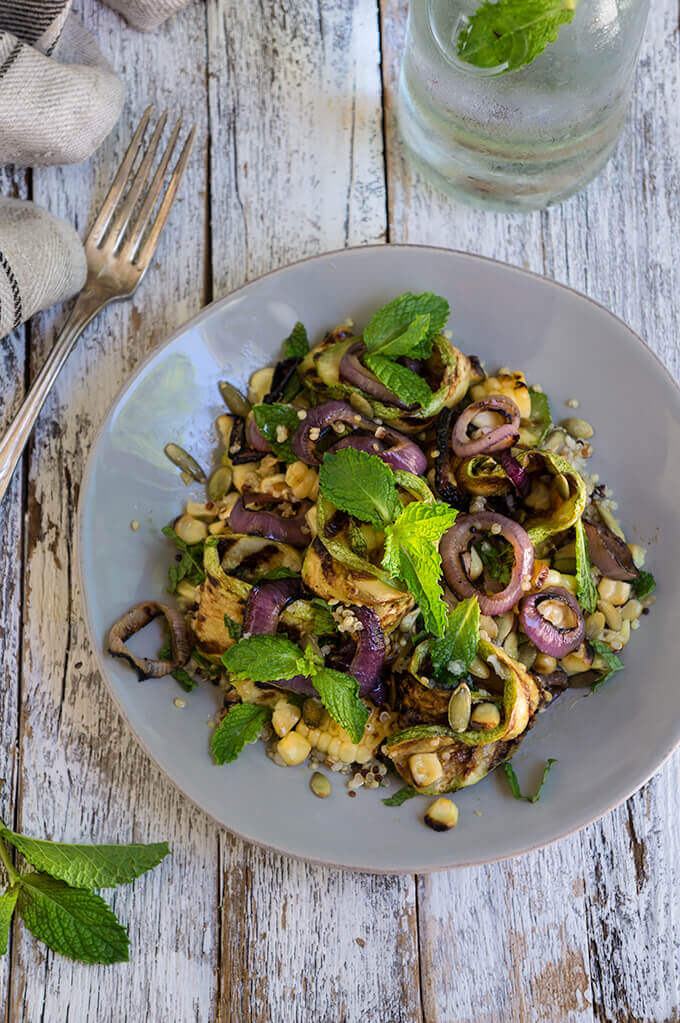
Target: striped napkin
{"points": [[59, 99]]}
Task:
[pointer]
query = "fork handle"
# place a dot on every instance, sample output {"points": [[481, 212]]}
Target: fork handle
{"points": [[88, 304]]}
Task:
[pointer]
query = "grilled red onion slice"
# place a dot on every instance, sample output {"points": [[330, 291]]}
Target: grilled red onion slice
{"points": [[294, 530], [239, 452], [256, 440], [369, 656], [547, 637], [393, 447], [456, 542], [515, 473], [134, 620], [609, 553], [265, 603], [355, 373], [496, 439]]}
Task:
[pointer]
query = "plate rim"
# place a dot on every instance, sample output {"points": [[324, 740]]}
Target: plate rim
{"points": [[96, 642]]}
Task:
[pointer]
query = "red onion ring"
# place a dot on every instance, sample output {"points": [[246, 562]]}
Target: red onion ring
{"points": [[404, 455], [547, 637], [265, 603], [515, 473], [456, 542], [134, 620], [609, 553], [354, 372], [294, 531], [369, 656], [497, 439]]}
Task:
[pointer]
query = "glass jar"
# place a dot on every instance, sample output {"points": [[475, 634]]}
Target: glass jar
{"points": [[524, 139]]}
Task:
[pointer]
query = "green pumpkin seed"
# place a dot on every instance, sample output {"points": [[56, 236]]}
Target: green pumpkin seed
{"points": [[460, 707], [320, 785], [233, 399], [219, 483], [578, 428], [561, 484], [183, 460]]}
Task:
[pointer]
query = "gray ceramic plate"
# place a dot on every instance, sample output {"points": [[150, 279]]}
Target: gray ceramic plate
{"points": [[607, 744]]}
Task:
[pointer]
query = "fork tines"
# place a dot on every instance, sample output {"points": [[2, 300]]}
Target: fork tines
{"points": [[128, 226]]}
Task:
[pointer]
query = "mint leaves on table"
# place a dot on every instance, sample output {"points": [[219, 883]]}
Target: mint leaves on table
{"points": [[643, 585], [277, 423], [241, 725], [585, 587], [514, 784], [454, 652], [412, 555], [612, 662], [57, 901], [296, 344], [190, 565], [360, 484], [275, 658], [512, 32]]}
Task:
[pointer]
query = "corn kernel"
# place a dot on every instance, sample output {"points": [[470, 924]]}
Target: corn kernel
{"points": [[442, 815], [614, 591], [631, 611], [334, 749], [612, 615], [323, 742], [293, 749], [639, 554], [348, 752], [425, 769], [485, 716], [364, 754], [286, 715]]}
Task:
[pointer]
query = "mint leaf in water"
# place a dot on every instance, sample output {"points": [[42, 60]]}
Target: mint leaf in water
{"points": [[407, 385], [296, 344], [277, 423], [339, 694], [7, 903], [394, 319], [453, 654], [239, 727], [73, 921], [509, 34], [360, 484], [585, 587], [643, 585], [88, 866]]}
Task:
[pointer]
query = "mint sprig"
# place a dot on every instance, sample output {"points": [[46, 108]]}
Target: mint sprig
{"points": [[396, 318], [585, 586], [612, 662], [240, 726], [57, 901], [412, 554], [509, 34], [643, 585], [190, 566], [339, 694], [296, 344], [360, 484], [453, 654], [402, 381], [275, 420]]}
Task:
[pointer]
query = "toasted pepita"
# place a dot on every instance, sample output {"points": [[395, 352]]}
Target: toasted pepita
{"points": [[183, 460], [233, 399], [460, 708]]}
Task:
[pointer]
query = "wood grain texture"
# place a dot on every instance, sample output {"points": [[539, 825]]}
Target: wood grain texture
{"points": [[83, 776], [297, 168]]}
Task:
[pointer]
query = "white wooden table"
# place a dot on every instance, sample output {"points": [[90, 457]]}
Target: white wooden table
{"points": [[298, 154]]}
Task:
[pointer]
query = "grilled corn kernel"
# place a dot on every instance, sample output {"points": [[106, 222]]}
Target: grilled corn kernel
{"points": [[323, 742], [614, 591], [559, 579], [479, 669], [425, 769], [512, 385], [545, 664], [334, 748], [639, 554], [348, 752], [612, 615], [303, 480], [364, 754], [246, 477], [631, 611], [320, 785], [579, 660], [190, 530], [260, 385], [485, 715], [286, 715], [442, 815], [595, 624], [293, 749]]}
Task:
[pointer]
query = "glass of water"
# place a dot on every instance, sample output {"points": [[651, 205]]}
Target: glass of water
{"points": [[519, 140]]}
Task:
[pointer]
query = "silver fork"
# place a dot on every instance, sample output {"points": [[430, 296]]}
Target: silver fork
{"points": [[118, 248]]}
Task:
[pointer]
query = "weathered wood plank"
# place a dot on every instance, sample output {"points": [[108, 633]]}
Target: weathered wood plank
{"points": [[297, 169], [83, 775], [13, 183]]}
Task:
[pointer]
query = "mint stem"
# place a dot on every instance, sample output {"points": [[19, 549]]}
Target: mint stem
{"points": [[9, 866]]}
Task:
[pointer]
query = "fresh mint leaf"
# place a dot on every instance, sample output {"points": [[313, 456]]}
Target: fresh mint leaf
{"points": [[497, 560], [190, 567], [296, 344], [277, 423], [585, 586], [400, 796], [184, 679], [88, 866], [407, 385], [410, 341], [458, 646], [73, 921], [240, 726], [509, 34], [412, 554], [7, 903], [339, 694], [540, 419], [266, 659], [643, 585], [279, 573], [233, 628], [612, 662], [514, 784], [395, 318], [360, 484]]}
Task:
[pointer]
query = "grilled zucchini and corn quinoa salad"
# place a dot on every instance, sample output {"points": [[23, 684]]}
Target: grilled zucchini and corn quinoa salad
{"points": [[401, 561]]}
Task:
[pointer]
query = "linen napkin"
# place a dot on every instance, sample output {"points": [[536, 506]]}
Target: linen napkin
{"points": [[42, 261]]}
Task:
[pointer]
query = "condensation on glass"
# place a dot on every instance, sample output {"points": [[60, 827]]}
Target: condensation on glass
{"points": [[524, 139]]}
